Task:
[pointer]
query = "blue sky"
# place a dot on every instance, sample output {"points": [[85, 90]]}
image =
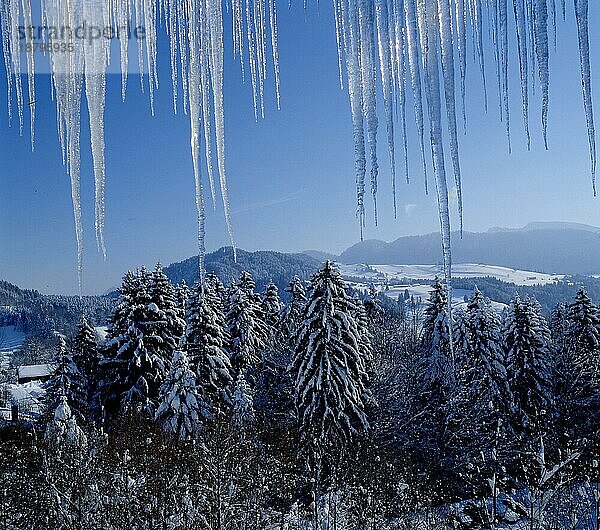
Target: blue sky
{"points": [[291, 174]]}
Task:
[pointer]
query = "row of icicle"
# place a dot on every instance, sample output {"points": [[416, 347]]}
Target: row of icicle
{"points": [[423, 45], [393, 44], [195, 33]]}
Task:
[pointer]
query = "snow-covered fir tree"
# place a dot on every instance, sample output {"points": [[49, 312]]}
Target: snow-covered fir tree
{"points": [[272, 305], [480, 349], [527, 349], [436, 335], [578, 372], [206, 340], [293, 311], [183, 293], [583, 337], [242, 404], [86, 358], [329, 372], [181, 409], [143, 335], [246, 324], [66, 382]]}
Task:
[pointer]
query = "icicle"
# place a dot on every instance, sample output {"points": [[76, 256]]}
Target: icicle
{"points": [[252, 53], [338, 38], [400, 58], [95, 88], [13, 24], [541, 50], [519, 10], [204, 58], [6, 40], [495, 29], [461, 45], [385, 65], [478, 34], [553, 13], [428, 24], [581, 14], [275, 50], [122, 15], [368, 77], [503, 18], [447, 53], [195, 89], [412, 42], [351, 45], [215, 24], [29, 54]]}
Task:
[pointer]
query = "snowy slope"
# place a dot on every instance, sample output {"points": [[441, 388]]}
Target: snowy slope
{"points": [[459, 270], [395, 280]]}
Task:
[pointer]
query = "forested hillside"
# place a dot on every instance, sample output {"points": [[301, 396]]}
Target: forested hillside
{"points": [[220, 406]]}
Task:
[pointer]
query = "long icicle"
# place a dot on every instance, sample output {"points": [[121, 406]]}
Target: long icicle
{"points": [[447, 53], [581, 13], [429, 27], [541, 51], [412, 41], [385, 65]]}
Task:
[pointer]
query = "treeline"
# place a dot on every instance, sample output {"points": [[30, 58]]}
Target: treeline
{"points": [[221, 408]]}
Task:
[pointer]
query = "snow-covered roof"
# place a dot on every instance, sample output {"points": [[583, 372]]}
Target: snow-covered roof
{"points": [[34, 371]]}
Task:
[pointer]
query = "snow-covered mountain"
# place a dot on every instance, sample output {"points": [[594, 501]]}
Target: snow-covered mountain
{"points": [[553, 248]]}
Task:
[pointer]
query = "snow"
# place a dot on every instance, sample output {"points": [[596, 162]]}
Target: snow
{"points": [[35, 371], [10, 341], [459, 270]]}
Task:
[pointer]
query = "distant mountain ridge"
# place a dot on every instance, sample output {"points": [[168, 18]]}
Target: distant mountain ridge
{"points": [[264, 265], [566, 248]]}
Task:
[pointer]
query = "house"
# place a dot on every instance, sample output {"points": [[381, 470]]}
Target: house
{"points": [[34, 372]]}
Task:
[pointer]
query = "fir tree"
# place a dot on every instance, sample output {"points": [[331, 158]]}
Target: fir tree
{"points": [[181, 409], [578, 371], [246, 325], [329, 372], [66, 382], [292, 317], [86, 358], [242, 404], [272, 305], [205, 342], [436, 335], [527, 342], [143, 335], [482, 359]]}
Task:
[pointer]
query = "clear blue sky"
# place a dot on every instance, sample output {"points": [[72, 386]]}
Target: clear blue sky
{"points": [[291, 175]]}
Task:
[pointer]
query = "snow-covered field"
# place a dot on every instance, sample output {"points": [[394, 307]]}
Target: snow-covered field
{"points": [[392, 279], [459, 270]]}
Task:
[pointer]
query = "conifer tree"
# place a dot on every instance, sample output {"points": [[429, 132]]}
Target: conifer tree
{"points": [[181, 409], [246, 325], [86, 358], [143, 335], [292, 317], [436, 335], [527, 348], [479, 343], [272, 305], [66, 381], [242, 404], [329, 373], [205, 343], [578, 371]]}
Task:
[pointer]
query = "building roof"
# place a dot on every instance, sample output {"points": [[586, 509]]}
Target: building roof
{"points": [[35, 371]]}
